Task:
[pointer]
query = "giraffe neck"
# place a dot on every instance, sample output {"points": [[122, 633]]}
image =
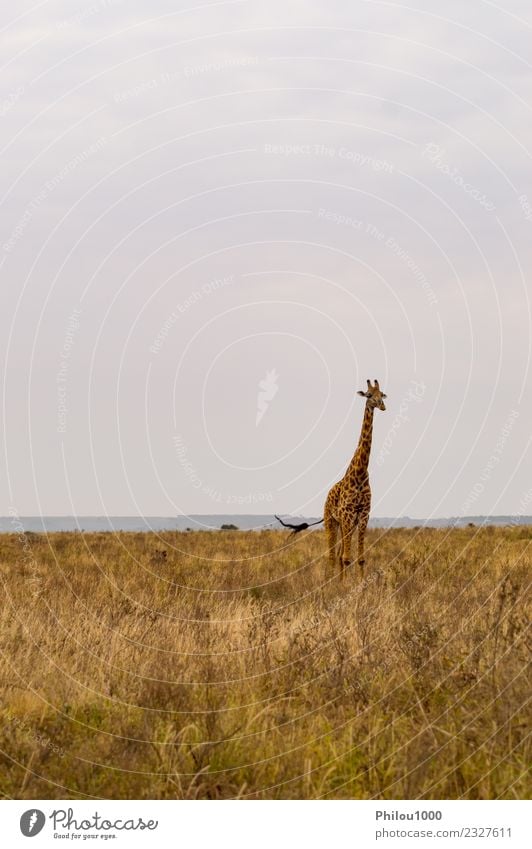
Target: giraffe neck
{"points": [[358, 468]]}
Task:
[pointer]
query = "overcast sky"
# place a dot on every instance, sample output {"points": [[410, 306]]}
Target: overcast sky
{"points": [[219, 219]]}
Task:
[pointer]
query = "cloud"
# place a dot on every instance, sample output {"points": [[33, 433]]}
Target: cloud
{"points": [[226, 129]]}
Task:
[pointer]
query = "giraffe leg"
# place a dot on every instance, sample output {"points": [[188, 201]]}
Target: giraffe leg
{"points": [[362, 525], [331, 527], [347, 528]]}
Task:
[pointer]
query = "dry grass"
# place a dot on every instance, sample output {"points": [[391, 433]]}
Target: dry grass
{"points": [[236, 666]]}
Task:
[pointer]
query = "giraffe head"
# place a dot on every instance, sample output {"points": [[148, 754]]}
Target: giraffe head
{"points": [[374, 396]]}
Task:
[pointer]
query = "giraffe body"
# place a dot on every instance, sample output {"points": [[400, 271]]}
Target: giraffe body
{"points": [[349, 500]]}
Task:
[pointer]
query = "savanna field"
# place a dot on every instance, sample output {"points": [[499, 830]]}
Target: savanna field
{"points": [[234, 664]]}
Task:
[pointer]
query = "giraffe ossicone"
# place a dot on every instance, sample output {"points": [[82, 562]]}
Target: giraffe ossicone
{"points": [[349, 500]]}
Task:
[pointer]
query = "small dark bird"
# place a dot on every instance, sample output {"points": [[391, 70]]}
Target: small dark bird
{"points": [[297, 528]]}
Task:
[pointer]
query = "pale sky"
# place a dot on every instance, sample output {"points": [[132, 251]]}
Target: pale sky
{"points": [[219, 219]]}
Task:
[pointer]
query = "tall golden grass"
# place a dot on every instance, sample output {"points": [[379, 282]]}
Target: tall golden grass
{"points": [[238, 666]]}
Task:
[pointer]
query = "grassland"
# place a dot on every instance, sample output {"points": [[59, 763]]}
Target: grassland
{"points": [[238, 666]]}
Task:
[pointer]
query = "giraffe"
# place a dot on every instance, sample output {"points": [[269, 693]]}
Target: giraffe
{"points": [[349, 500]]}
